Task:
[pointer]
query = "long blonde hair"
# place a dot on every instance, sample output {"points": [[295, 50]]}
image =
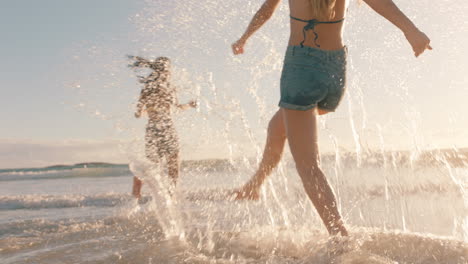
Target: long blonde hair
{"points": [[323, 9]]}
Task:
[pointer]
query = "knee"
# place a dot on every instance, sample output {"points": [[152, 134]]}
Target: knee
{"points": [[309, 173], [306, 165]]}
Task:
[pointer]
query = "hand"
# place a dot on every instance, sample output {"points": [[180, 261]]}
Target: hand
{"points": [[418, 41], [247, 192], [193, 103], [238, 47]]}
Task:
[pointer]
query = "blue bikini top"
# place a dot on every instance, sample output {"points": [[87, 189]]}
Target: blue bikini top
{"points": [[311, 26]]}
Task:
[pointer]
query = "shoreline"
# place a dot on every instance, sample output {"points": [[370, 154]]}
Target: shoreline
{"points": [[454, 157]]}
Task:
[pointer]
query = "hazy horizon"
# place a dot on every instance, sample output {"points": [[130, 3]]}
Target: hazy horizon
{"points": [[342, 152]]}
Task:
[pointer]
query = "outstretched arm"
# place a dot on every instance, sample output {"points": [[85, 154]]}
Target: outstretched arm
{"points": [[191, 104], [262, 16], [417, 39]]}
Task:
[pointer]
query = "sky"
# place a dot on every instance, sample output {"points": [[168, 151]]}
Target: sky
{"points": [[67, 95]]}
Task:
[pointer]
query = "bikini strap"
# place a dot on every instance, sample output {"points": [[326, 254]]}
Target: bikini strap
{"points": [[311, 26]]}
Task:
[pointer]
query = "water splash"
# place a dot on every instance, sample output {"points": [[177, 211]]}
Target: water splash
{"points": [[237, 95]]}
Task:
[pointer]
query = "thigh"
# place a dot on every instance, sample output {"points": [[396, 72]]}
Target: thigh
{"points": [[301, 131], [276, 127]]}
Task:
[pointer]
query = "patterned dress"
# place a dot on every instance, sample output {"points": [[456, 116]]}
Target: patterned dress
{"points": [[158, 97]]}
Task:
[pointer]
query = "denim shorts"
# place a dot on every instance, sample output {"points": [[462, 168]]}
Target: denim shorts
{"points": [[313, 77]]}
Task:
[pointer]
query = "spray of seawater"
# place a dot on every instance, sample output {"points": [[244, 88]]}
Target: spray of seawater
{"points": [[383, 178]]}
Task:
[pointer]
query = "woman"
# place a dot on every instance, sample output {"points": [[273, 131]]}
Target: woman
{"points": [[313, 83], [158, 97]]}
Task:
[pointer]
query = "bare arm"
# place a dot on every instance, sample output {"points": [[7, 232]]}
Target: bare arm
{"points": [[191, 104], [141, 103], [387, 8], [259, 19]]}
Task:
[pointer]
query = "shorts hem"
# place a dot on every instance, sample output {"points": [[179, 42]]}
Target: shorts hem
{"points": [[327, 109], [296, 107]]}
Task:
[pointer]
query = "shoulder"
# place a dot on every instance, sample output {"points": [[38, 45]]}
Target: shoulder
{"points": [[272, 2]]}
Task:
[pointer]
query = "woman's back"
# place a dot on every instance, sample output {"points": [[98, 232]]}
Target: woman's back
{"points": [[158, 95], [329, 35]]}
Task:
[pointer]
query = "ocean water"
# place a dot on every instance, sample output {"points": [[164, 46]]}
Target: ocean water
{"points": [[411, 214]]}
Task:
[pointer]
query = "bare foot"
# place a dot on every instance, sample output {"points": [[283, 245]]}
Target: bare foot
{"points": [[246, 193], [136, 195]]}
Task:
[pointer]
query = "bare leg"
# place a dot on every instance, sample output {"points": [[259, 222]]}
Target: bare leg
{"points": [[301, 131], [136, 189], [173, 167], [322, 111], [150, 155], [271, 156]]}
